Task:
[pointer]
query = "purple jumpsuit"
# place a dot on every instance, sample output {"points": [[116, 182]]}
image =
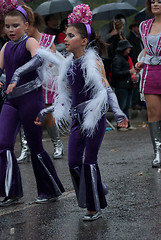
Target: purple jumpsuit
{"points": [[23, 110], [78, 142]]}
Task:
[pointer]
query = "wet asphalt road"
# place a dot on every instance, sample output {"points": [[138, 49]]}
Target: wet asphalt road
{"points": [[134, 198]]}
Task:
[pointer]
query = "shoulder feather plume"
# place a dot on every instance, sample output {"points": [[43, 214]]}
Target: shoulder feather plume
{"points": [[62, 103], [97, 106], [62, 98]]}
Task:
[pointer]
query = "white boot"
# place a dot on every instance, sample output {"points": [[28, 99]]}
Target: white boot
{"points": [[155, 133], [25, 152], [55, 138]]}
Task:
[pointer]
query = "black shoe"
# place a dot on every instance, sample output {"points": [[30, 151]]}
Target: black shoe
{"points": [[122, 129], [41, 200], [156, 164], [92, 216], [7, 201], [137, 107]]}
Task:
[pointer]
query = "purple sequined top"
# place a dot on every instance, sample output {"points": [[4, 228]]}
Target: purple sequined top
{"points": [[16, 55], [77, 82]]}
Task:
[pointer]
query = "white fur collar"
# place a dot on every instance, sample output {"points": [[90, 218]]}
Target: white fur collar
{"points": [[93, 80]]}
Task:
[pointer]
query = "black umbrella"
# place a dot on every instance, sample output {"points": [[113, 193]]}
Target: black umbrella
{"points": [[110, 10], [142, 15], [57, 7], [135, 3]]}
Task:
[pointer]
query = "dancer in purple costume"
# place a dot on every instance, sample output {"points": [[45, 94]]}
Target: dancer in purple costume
{"points": [[24, 100], [45, 41], [83, 89], [151, 84]]}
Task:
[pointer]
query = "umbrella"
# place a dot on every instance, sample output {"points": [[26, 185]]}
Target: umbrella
{"points": [[110, 10], [142, 15], [135, 3], [57, 7]]}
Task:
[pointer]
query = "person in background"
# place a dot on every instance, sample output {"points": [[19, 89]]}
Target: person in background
{"points": [[52, 23], [117, 26], [150, 31], [3, 36], [121, 78], [24, 100], [108, 30], [135, 40], [3, 40], [60, 43], [62, 30], [112, 33]]}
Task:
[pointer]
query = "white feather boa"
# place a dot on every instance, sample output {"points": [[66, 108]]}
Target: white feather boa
{"points": [[95, 107], [93, 80]]}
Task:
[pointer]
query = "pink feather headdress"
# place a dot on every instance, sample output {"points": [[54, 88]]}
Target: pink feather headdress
{"points": [[81, 14], [7, 5]]}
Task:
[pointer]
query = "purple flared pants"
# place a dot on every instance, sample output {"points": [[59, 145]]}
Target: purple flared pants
{"points": [[23, 110], [78, 143]]}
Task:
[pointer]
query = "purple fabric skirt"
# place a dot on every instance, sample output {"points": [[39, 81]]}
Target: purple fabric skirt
{"points": [[151, 79]]}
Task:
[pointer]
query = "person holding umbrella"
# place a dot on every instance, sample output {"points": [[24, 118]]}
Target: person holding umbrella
{"points": [[151, 63], [134, 38], [51, 25], [24, 99]]}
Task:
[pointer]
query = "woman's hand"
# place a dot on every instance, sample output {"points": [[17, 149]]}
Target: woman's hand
{"points": [[37, 122], [124, 123], [132, 70], [10, 88], [139, 66], [1, 84]]}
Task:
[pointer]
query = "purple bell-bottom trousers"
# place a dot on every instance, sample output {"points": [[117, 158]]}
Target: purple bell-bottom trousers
{"points": [[93, 186], [23, 110]]}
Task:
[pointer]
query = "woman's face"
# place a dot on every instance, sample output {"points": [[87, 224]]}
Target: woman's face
{"points": [[30, 31], [156, 7], [127, 51], [15, 27], [73, 41]]}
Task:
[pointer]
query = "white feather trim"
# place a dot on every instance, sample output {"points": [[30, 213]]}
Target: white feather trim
{"points": [[93, 81], [49, 70], [94, 111], [96, 106], [62, 101], [50, 56], [62, 98]]}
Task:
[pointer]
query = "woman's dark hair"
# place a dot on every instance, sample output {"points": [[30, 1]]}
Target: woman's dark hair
{"points": [[95, 40], [1, 26], [148, 7], [46, 19], [118, 25], [119, 16], [62, 24], [39, 22]]}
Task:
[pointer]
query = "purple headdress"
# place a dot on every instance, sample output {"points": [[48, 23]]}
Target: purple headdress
{"points": [[8, 5], [22, 10], [81, 14]]}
